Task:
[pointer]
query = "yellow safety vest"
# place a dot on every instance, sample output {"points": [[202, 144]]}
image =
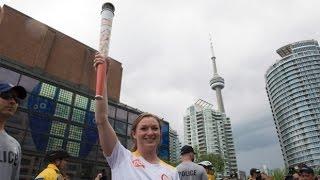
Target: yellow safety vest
{"points": [[211, 177], [50, 173]]}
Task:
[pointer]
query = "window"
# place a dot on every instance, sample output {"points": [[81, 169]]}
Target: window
{"points": [[132, 117], [54, 143], [62, 111], [129, 130], [120, 127], [65, 96], [78, 115], [121, 115], [81, 101], [47, 90], [75, 132], [111, 111], [58, 128], [73, 148]]}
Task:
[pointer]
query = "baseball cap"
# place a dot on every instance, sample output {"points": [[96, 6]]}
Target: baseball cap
{"points": [[306, 169], [186, 149], [21, 91], [254, 170], [57, 154]]}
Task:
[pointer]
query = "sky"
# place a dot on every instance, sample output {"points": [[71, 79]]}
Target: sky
{"points": [[165, 54]]}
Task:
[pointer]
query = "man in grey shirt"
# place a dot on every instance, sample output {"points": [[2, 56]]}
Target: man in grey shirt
{"points": [[187, 169], [10, 150]]}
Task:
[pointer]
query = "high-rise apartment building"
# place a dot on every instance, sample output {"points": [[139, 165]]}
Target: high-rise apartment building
{"points": [[174, 146], [209, 130], [293, 88]]}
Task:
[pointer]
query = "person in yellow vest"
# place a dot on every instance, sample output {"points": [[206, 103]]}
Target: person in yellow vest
{"points": [[208, 166], [57, 162]]}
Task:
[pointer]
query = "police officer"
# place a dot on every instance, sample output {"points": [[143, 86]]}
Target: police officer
{"points": [[10, 149], [187, 169]]}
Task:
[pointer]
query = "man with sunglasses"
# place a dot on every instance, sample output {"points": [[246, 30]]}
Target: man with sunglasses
{"points": [[10, 150]]}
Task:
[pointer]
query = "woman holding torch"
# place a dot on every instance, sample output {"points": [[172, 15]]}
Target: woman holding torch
{"points": [[141, 164]]}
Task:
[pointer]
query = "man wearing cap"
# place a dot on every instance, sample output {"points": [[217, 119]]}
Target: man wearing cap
{"points": [[255, 174], [10, 150], [187, 169], [57, 162], [306, 173]]}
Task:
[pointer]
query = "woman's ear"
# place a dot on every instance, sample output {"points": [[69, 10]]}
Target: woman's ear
{"points": [[133, 134]]}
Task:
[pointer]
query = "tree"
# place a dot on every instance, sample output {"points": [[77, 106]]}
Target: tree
{"points": [[317, 171], [216, 160], [174, 164]]}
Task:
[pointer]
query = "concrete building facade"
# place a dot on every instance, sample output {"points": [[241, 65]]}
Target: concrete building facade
{"points": [[292, 85]]}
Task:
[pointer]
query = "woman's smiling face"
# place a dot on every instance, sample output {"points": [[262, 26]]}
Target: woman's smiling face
{"points": [[147, 133]]}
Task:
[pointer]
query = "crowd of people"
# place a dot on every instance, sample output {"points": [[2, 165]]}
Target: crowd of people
{"points": [[300, 172], [139, 163]]}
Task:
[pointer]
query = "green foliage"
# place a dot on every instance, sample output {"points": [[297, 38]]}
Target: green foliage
{"points": [[278, 174], [196, 150], [174, 164], [215, 159]]}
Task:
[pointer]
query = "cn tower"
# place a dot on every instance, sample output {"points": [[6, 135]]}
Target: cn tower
{"points": [[216, 82]]}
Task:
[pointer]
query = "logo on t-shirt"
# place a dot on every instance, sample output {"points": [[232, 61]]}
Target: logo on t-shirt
{"points": [[137, 163], [188, 173], [9, 157], [164, 177]]}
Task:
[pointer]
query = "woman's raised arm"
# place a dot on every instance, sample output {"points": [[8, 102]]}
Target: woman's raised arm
{"points": [[107, 135]]}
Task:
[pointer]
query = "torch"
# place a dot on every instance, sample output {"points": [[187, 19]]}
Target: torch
{"points": [[107, 14]]}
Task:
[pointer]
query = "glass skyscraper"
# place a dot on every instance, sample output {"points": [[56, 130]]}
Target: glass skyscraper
{"points": [[293, 88]]}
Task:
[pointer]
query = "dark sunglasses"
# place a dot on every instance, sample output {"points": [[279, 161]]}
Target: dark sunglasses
{"points": [[9, 95]]}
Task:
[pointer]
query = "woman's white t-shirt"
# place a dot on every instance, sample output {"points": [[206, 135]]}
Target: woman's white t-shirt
{"points": [[131, 165]]}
